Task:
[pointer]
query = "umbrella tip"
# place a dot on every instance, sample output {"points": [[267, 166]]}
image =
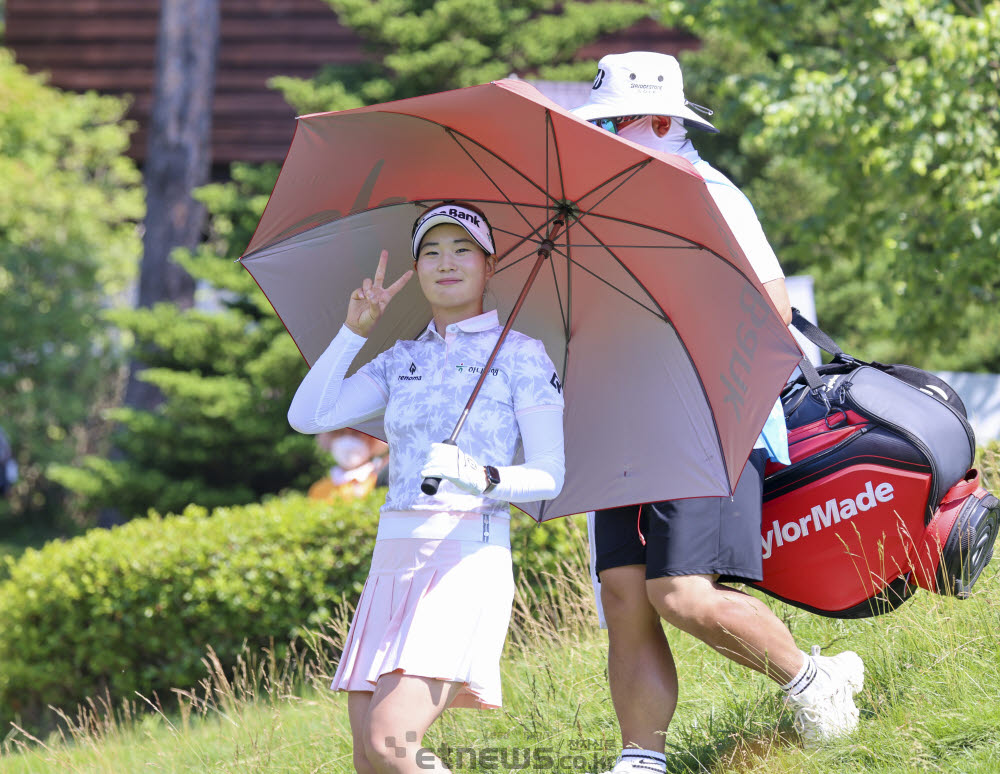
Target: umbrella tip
{"points": [[567, 210]]}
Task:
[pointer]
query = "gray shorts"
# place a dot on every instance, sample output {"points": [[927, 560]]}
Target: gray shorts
{"points": [[698, 536]]}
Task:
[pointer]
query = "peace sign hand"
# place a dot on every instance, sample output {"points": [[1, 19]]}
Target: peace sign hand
{"points": [[370, 300]]}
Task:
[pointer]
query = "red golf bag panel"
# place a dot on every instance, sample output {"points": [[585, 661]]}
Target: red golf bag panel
{"points": [[879, 499]]}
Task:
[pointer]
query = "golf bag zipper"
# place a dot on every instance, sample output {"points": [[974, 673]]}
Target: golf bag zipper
{"points": [[965, 426], [794, 468]]}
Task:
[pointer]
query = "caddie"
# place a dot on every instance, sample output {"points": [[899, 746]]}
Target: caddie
{"points": [[672, 560]]}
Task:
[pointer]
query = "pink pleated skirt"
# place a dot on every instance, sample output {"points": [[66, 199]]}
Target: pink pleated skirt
{"points": [[432, 608]]}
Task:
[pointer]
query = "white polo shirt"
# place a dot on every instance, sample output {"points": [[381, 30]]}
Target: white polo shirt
{"points": [[421, 387], [742, 220]]}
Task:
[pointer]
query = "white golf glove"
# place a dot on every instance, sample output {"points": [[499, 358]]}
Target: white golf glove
{"points": [[447, 461]]}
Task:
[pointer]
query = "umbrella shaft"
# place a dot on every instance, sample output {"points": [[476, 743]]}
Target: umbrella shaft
{"points": [[544, 251]]}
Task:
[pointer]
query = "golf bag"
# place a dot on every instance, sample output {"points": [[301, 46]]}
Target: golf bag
{"points": [[879, 499]]}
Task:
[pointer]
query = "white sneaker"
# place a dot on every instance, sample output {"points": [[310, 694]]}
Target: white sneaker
{"points": [[636, 764], [826, 709]]}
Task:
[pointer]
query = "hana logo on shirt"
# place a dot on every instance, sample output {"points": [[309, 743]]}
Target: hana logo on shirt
{"points": [[463, 368]]}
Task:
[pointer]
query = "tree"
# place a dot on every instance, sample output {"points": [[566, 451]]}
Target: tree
{"points": [[887, 115], [178, 158], [69, 207], [422, 46], [220, 436]]}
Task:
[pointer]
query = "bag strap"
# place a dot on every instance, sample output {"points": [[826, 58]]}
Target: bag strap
{"points": [[816, 336], [824, 342], [811, 375]]}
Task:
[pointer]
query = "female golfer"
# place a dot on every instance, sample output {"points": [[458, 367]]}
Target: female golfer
{"points": [[431, 621]]}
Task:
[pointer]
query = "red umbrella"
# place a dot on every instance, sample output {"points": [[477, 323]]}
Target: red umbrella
{"points": [[667, 346]]}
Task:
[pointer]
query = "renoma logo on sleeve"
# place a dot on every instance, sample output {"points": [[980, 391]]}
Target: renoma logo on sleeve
{"points": [[410, 378], [821, 517], [554, 381]]}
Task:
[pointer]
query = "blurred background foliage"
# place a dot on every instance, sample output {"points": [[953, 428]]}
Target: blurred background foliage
{"points": [[865, 133], [423, 46], [220, 436], [69, 203]]}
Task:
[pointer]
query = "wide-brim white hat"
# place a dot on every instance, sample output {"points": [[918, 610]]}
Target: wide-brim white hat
{"points": [[640, 83]]}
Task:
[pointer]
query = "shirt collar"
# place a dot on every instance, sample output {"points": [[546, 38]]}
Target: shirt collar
{"points": [[482, 322]]}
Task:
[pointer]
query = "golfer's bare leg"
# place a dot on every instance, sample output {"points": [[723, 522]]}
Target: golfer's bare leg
{"points": [[737, 625], [641, 670], [357, 710], [399, 713]]}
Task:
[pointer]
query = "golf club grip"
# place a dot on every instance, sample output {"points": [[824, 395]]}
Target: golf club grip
{"points": [[429, 486]]}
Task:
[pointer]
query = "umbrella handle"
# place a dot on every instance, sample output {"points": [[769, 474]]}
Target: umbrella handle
{"points": [[429, 486]]}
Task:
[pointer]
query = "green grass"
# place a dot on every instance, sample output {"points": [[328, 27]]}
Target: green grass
{"points": [[931, 703]]}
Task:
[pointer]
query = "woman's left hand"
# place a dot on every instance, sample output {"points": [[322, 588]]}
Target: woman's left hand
{"points": [[447, 461], [369, 301]]}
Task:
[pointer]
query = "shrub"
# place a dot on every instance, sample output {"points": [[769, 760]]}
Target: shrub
{"points": [[225, 377], [135, 608]]}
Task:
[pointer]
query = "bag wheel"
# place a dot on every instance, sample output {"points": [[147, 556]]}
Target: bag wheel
{"points": [[969, 547]]}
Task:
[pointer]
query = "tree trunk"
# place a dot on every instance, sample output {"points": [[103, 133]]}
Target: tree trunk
{"points": [[178, 159]]}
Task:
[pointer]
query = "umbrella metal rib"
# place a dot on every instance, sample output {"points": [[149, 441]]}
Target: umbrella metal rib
{"points": [[657, 313], [692, 244], [455, 135], [626, 174], [627, 270], [551, 134], [563, 311]]}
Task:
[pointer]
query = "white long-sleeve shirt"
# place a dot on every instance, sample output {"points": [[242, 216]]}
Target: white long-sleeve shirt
{"points": [[421, 388]]}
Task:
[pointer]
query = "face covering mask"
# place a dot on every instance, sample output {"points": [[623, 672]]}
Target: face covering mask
{"points": [[349, 451], [674, 141]]}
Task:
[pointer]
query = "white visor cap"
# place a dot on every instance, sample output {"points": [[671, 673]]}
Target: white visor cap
{"points": [[640, 83], [474, 224]]}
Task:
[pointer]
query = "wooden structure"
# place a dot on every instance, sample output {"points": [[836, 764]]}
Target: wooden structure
{"points": [[110, 46]]}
